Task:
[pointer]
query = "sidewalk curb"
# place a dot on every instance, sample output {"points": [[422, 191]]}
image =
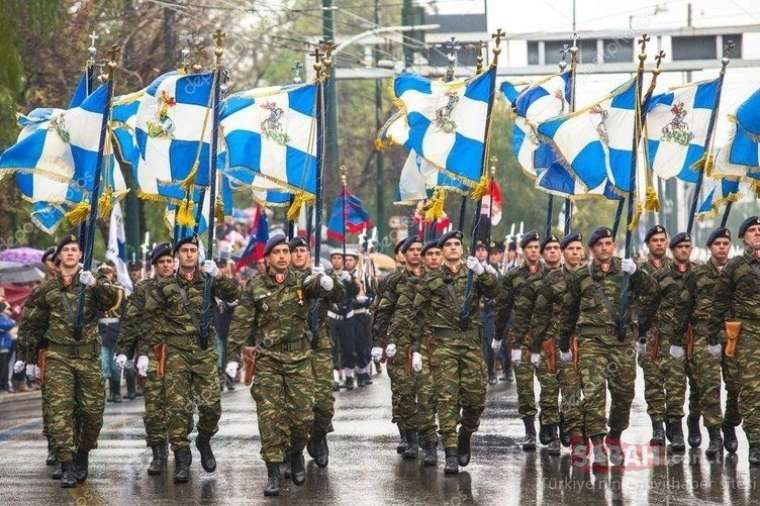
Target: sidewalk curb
{"points": [[20, 396]]}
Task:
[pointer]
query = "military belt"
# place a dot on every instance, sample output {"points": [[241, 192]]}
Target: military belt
{"points": [[360, 311], [597, 331], [76, 350], [457, 333], [292, 346]]}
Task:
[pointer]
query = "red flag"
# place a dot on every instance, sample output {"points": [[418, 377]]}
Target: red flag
{"points": [[491, 203]]}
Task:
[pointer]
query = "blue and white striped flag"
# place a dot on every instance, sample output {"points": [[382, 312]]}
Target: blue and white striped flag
{"points": [[722, 192], [447, 121], [677, 123], [595, 143], [722, 166], [270, 137], [558, 181], [117, 247], [745, 148]]}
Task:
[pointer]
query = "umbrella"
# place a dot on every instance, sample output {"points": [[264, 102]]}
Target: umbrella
{"points": [[16, 272], [22, 255]]}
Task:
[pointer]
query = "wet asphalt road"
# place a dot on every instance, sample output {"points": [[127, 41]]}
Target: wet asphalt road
{"points": [[364, 468]]}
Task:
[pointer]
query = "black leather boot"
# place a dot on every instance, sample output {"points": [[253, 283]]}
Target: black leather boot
{"points": [[51, 459], [430, 449], [203, 443], [730, 443], [601, 463], [463, 446], [529, 443], [553, 447], [323, 454], [349, 382], [182, 465], [68, 476], [544, 434], [658, 433], [81, 465], [401, 448], [273, 480], [297, 468], [115, 390], [675, 435], [695, 435], [754, 455], [412, 448], [564, 434], [452, 462], [57, 472], [716, 442], [159, 460]]}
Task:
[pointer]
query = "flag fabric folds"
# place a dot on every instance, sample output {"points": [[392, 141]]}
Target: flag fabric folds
{"points": [[745, 148], [677, 123], [490, 205], [347, 210], [419, 179], [254, 250], [556, 180], [722, 192], [117, 247]]}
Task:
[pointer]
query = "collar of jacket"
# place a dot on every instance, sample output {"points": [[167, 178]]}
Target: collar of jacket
{"points": [[750, 256], [270, 281], [615, 267]]}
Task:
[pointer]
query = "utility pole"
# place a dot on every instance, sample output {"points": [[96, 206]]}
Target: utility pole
{"points": [[407, 19], [332, 156], [379, 169]]}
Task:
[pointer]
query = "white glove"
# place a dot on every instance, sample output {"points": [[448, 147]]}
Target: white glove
{"points": [[489, 268], [516, 356], [87, 278], [232, 369], [315, 271], [121, 360], [326, 282], [390, 350], [535, 359], [344, 276], [676, 351], [716, 350], [210, 268], [641, 347], [377, 353], [628, 265], [18, 366], [475, 266], [361, 299], [495, 345], [142, 365], [416, 361], [31, 371], [565, 356]]}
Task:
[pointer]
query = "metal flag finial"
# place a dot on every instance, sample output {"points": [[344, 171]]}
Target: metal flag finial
{"points": [[219, 36], [497, 46]]}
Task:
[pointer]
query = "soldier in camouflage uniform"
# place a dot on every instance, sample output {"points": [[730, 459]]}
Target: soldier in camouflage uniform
{"points": [[321, 357], [737, 299], [458, 368], [591, 310], [191, 374], [74, 381], [517, 296], [661, 361], [276, 304], [138, 339]]}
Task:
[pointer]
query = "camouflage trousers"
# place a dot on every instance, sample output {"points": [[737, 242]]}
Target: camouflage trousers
{"points": [[524, 374], [191, 379], [703, 371], [76, 399], [324, 401], [393, 374], [732, 385], [416, 401], [45, 409], [747, 358], [155, 407], [284, 393], [664, 381], [606, 364], [459, 379], [565, 382]]}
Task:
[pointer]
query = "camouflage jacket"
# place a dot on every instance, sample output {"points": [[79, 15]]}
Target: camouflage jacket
{"points": [[662, 276], [278, 312], [700, 293], [585, 312], [548, 306], [404, 328], [387, 298], [26, 343], [439, 300], [516, 295], [180, 307], [673, 307], [737, 295], [323, 305], [140, 320], [52, 316]]}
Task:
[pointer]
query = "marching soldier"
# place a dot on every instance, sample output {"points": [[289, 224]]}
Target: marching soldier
{"points": [[591, 310], [191, 374], [737, 310], [457, 362], [336, 321], [321, 358], [496, 259], [276, 304], [139, 339], [74, 380], [661, 360], [357, 338]]}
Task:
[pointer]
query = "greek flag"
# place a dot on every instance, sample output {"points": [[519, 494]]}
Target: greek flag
{"points": [[270, 137], [117, 247], [173, 134], [419, 179], [558, 181], [123, 119], [595, 142], [745, 148], [677, 124], [722, 192], [722, 166], [447, 121]]}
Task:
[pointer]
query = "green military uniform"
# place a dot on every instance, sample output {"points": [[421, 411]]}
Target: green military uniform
{"points": [[383, 314], [74, 386]]}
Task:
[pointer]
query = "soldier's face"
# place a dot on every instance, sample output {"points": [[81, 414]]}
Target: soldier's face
{"points": [[279, 257], [682, 252], [433, 258], [552, 253], [70, 256], [496, 257], [350, 262], [165, 266], [603, 249], [752, 237], [135, 275], [481, 253], [573, 254], [337, 262], [412, 255], [719, 249], [300, 257], [532, 251], [188, 256], [658, 245], [452, 250]]}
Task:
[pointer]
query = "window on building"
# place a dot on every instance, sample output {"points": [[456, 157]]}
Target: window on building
{"points": [[736, 38], [618, 50], [697, 47], [532, 52], [586, 53]]}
